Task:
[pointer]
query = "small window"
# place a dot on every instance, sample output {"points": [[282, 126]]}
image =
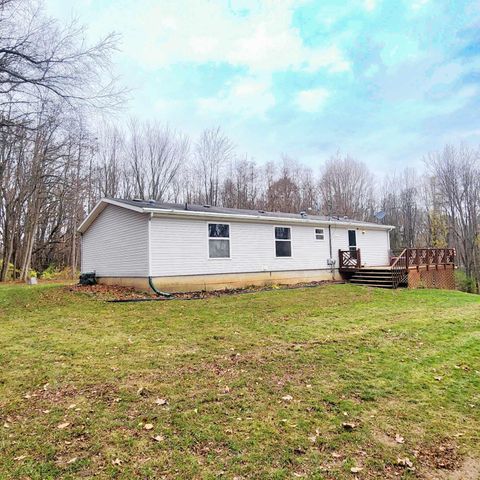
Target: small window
{"points": [[218, 240], [319, 234], [283, 242]]}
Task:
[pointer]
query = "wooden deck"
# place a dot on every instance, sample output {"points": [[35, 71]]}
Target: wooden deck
{"points": [[412, 267]]}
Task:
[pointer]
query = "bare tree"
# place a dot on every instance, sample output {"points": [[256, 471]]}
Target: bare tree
{"points": [[346, 188], [457, 173], [213, 152]]}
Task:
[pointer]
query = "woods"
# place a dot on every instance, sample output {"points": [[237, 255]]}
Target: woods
{"points": [[57, 159]]}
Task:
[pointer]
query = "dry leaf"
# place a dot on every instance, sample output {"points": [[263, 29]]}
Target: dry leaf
{"points": [[336, 455], [405, 462], [349, 425], [63, 425], [73, 405], [117, 461], [72, 460], [438, 379], [356, 469], [158, 438], [21, 457], [148, 426], [399, 438], [287, 398], [161, 401]]}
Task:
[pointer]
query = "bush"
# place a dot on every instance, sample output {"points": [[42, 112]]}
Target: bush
{"points": [[52, 272], [465, 283]]}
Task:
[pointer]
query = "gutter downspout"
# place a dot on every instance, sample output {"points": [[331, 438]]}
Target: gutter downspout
{"points": [[332, 268], [150, 279]]}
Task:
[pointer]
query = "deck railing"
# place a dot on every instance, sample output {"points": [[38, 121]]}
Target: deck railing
{"points": [[399, 268], [420, 257], [349, 258]]}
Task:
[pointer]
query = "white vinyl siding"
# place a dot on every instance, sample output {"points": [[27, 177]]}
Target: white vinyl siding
{"points": [[373, 244], [116, 244], [180, 247]]}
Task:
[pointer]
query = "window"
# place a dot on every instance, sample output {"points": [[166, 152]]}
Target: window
{"points": [[283, 242], [218, 240], [319, 234]]}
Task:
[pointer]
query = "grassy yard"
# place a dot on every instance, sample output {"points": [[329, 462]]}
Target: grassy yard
{"points": [[330, 382]]}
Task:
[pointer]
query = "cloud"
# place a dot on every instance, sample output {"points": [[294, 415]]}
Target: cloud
{"points": [[246, 97], [370, 5], [258, 36], [312, 100]]}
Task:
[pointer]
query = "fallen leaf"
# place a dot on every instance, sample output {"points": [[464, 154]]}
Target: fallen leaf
{"points": [[404, 462], [63, 425], [356, 469], [336, 455], [438, 379], [73, 405], [161, 401], [158, 438], [72, 460], [399, 438], [21, 457], [148, 426], [287, 398], [349, 425], [117, 461]]}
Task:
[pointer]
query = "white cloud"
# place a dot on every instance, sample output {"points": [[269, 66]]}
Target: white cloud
{"points": [[161, 33], [246, 97], [370, 5], [312, 100]]}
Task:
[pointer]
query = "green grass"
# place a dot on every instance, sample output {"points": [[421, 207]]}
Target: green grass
{"points": [[400, 362]]}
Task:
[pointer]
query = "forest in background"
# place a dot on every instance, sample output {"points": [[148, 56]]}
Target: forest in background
{"points": [[55, 164]]}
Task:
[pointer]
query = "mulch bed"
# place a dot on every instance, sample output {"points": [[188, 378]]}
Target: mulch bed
{"points": [[117, 293]]}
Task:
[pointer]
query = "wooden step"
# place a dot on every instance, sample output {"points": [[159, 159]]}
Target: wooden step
{"points": [[371, 282]]}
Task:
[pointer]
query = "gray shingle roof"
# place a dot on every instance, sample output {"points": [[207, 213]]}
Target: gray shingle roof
{"points": [[234, 211]]}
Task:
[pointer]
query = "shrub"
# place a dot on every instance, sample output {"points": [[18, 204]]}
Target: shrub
{"points": [[465, 283]]}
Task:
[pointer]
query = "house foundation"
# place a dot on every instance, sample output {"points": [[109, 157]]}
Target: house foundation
{"points": [[192, 283]]}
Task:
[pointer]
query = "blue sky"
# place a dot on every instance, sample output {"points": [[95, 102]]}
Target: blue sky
{"points": [[384, 81]]}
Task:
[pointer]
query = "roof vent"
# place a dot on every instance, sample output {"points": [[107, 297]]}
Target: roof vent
{"points": [[207, 205], [303, 213]]}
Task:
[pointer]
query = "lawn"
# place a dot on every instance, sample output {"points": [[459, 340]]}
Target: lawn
{"points": [[332, 382]]}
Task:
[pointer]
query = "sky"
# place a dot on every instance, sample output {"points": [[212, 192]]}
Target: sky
{"points": [[386, 82]]}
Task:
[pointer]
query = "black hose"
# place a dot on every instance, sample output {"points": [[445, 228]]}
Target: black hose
{"points": [[132, 300], [158, 292]]}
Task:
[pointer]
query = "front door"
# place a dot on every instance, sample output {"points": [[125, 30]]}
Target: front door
{"points": [[352, 240]]}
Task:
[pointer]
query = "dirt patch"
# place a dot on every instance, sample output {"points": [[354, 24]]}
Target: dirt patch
{"points": [[121, 293], [469, 469], [444, 456]]}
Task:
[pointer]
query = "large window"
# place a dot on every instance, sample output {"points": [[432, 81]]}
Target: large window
{"points": [[283, 242], [218, 240]]}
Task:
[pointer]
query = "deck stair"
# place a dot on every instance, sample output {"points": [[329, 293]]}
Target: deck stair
{"points": [[377, 277]]}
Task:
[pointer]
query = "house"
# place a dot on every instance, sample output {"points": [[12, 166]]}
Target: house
{"points": [[184, 247]]}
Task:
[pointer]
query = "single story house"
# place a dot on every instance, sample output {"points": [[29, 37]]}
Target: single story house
{"points": [[184, 247]]}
